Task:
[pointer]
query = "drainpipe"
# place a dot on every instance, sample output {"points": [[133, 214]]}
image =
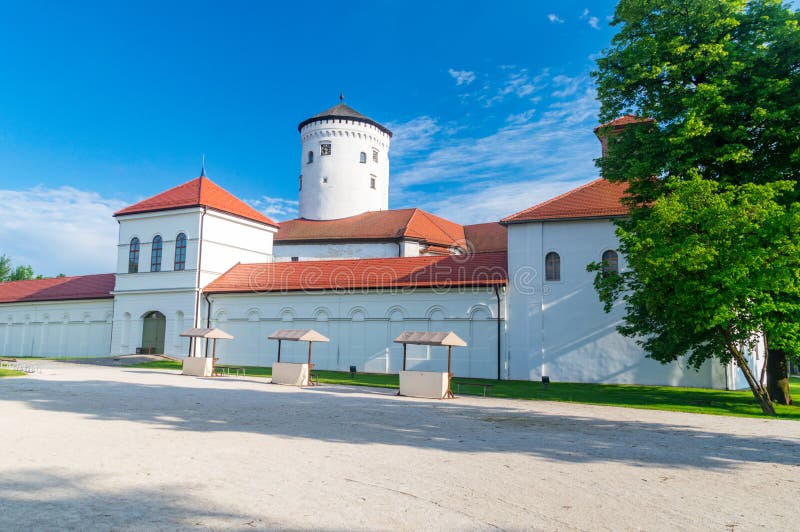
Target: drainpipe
{"points": [[197, 290], [499, 351], [208, 317]]}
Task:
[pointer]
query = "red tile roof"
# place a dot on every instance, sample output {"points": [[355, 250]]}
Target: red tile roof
{"points": [[412, 224], [484, 269], [482, 238], [598, 199], [58, 288], [199, 192]]}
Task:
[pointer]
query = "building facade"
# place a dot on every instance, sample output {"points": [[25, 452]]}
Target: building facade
{"points": [[358, 272]]}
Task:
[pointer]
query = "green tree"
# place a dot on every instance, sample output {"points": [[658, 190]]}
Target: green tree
{"points": [[719, 80], [5, 267], [22, 273], [710, 269]]}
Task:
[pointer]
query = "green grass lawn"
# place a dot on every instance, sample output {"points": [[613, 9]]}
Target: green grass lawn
{"points": [[10, 373], [698, 400]]}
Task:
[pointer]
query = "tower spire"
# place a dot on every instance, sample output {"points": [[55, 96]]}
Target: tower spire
{"points": [[203, 166], [341, 97]]}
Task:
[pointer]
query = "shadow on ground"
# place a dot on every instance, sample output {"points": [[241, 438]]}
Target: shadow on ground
{"points": [[359, 416]]}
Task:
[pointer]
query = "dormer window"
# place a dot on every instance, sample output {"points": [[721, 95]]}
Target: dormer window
{"points": [[325, 148], [362, 158], [310, 157], [374, 155]]}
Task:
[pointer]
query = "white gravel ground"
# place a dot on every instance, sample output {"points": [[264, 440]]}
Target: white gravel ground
{"points": [[103, 448]]}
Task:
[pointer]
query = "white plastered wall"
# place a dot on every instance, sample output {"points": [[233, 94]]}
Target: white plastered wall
{"points": [[362, 327], [559, 328], [80, 328]]}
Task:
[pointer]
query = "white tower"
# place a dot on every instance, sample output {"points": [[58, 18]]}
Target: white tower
{"points": [[344, 166]]}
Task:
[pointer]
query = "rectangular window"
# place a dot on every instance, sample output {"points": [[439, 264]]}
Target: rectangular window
{"points": [[325, 149], [375, 155], [295, 259], [301, 182], [372, 182]]}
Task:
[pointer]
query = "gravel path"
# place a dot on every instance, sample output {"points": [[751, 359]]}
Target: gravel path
{"points": [[107, 448]]}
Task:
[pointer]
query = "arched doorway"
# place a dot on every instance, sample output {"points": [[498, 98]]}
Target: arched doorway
{"points": [[153, 332]]}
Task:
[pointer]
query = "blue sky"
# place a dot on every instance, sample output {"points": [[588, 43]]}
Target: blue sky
{"points": [[103, 104]]}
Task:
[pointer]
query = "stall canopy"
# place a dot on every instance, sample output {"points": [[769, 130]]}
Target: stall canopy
{"points": [[430, 338], [299, 335], [212, 334], [208, 334], [448, 339]]}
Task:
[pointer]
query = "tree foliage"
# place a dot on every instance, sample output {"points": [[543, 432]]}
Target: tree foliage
{"points": [[10, 273], [719, 81]]}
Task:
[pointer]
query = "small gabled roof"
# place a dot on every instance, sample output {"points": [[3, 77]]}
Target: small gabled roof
{"points": [[597, 199], [343, 112], [621, 122], [413, 224], [430, 338], [214, 334], [58, 289], [298, 335], [199, 192]]}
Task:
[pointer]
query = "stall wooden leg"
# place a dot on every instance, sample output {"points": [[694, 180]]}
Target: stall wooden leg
{"points": [[449, 393]]}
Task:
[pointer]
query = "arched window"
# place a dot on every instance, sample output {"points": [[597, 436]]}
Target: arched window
{"points": [[610, 261], [155, 255], [552, 267], [180, 252], [133, 256], [362, 158], [310, 157]]}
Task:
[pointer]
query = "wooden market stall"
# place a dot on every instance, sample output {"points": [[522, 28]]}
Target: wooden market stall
{"points": [[429, 384], [289, 372], [203, 366]]}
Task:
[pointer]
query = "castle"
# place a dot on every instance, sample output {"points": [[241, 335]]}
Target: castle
{"points": [[516, 290]]}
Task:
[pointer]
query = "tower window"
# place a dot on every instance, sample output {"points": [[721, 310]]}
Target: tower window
{"points": [[325, 149], [310, 157], [552, 267], [374, 155], [362, 158], [610, 261], [180, 252], [372, 182], [155, 254], [301, 182], [133, 256], [325, 179]]}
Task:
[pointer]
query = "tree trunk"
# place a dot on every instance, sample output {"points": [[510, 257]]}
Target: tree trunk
{"points": [[778, 377], [758, 391]]}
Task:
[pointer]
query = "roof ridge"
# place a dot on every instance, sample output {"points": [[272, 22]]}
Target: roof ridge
{"points": [[436, 221], [551, 200]]}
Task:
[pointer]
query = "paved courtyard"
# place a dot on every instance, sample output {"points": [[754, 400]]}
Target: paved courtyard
{"points": [[105, 448]]}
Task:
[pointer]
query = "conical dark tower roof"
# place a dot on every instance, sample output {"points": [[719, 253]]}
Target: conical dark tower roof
{"points": [[342, 111]]}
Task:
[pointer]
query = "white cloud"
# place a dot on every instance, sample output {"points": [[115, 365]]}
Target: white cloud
{"points": [[462, 77], [413, 136], [552, 17], [592, 21], [532, 157], [276, 208], [59, 230]]}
